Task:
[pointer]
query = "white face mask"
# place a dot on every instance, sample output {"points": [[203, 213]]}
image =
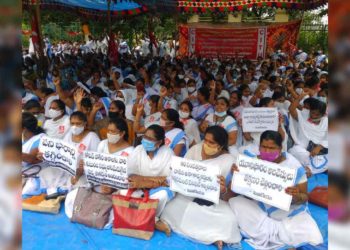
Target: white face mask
{"points": [[183, 115], [191, 89], [113, 138], [54, 113], [299, 91], [322, 99], [77, 130], [181, 76]]}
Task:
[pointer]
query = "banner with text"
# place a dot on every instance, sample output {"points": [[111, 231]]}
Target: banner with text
{"points": [[215, 41], [59, 154], [259, 119], [263, 181], [106, 169], [195, 179]]}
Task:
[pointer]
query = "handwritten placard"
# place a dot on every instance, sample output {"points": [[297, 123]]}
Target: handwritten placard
{"points": [[59, 154], [263, 181], [106, 169], [259, 119], [195, 179]]}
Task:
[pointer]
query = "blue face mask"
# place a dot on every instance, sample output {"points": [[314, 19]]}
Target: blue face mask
{"points": [[221, 114], [148, 145]]}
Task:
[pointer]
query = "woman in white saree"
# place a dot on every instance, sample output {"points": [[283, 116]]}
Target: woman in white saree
{"points": [[198, 219], [267, 227], [309, 130]]}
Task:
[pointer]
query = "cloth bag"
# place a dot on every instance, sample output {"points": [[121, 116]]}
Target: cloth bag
{"points": [[134, 217], [91, 208], [38, 203], [319, 196]]}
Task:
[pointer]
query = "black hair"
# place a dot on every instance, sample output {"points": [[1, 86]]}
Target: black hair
{"points": [[97, 91], [225, 100], [46, 91], [31, 104], [189, 104], [312, 82], [121, 125], [277, 95], [173, 116], [80, 115], [316, 104], [239, 95], [120, 105], [30, 123], [86, 102], [60, 105], [159, 133], [204, 91], [154, 98], [272, 135], [243, 87], [220, 136], [264, 101]]}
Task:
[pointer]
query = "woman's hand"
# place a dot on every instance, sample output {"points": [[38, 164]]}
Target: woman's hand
{"points": [[80, 169], [40, 156], [222, 181], [163, 92], [135, 181], [140, 108], [106, 189], [234, 168], [79, 95], [315, 151], [97, 106]]}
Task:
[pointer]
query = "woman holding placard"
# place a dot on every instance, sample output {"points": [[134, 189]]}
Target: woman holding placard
{"points": [[267, 227], [202, 220], [115, 144], [149, 167], [223, 118]]}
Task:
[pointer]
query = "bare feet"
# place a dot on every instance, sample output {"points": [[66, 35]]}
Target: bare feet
{"points": [[219, 244], [163, 227]]}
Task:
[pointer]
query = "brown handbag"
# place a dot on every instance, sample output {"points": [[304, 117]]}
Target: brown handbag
{"points": [[91, 208], [319, 196]]}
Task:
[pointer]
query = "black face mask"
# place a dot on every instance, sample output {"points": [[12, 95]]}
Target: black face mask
{"points": [[113, 115]]}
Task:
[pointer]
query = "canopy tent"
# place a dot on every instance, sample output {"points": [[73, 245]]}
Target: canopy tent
{"points": [[96, 9], [194, 6]]}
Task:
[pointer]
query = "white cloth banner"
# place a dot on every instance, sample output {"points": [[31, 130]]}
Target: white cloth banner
{"points": [[259, 119], [263, 181], [59, 154], [195, 179], [106, 169]]}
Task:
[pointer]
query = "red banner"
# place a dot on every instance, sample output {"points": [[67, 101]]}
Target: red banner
{"points": [[248, 42]]}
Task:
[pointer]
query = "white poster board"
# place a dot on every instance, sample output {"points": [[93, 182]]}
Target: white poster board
{"points": [[259, 119], [195, 179], [106, 169], [59, 154], [263, 181]]}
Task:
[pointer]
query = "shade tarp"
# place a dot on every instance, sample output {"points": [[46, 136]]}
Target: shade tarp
{"points": [[96, 8]]}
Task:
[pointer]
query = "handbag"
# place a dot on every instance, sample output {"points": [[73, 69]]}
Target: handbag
{"points": [[91, 208], [319, 196], [34, 171], [134, 217]]}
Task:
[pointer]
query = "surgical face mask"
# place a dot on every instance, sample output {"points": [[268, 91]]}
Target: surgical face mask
{"points": [[184, 115], [337, 211], [113, 138], [148, 145], [191, 89], [322, 99], [210, 150], [54, 113], [77, 130], [221, 114], [299, 91], [269, 156]]}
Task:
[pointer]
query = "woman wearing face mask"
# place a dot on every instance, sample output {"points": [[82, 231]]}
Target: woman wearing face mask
{"points": [[267, 227], [309, 130], [204, 107], [58, 125], [34, 107], [198, 219], [190, 125], [246, 95], [175, 136], [149, 167], [115, 144], [222, 118], [191, 92], [167, 100]]}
